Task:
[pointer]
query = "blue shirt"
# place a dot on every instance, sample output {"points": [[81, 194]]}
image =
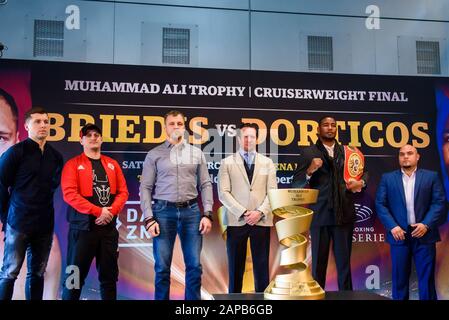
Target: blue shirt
{"points": [[251, 156], [28, 180]]}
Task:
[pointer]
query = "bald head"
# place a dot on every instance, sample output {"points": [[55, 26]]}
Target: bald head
{"points": [[408, 157], [408, 147]]}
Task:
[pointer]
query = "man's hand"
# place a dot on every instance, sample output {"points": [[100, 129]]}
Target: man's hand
{"points": [[398, 233], [105, 217], [314, 166], [420, 230], [205, 225], [354, 185], [154, 229], [252, 217]]}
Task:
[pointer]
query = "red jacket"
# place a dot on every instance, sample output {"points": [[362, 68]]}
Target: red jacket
{"points": [[76, 184]]}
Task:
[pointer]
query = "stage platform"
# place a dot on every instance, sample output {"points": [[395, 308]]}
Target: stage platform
{"points": [[330, 295]]}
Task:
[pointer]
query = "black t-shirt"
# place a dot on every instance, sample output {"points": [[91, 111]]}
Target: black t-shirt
{"points": [[101, 193]]}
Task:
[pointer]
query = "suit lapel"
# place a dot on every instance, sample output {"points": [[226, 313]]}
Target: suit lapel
{"points": [[256, 168], [240, 164], [400, 186], [418, 180]]}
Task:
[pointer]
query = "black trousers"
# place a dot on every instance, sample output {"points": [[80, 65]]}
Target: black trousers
{"points": [[100, 243], [341, 237], [236, 243]]}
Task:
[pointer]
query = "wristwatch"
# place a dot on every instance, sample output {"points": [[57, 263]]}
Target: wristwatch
{"points": [[208, 215], [149, 222]]}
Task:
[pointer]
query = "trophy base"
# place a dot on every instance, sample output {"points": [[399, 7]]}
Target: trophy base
{"points": [[279, 289]]}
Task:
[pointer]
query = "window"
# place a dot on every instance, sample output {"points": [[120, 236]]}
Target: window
{"points": [[48, 38], [176, 46], [320, 53], [428, 57]]}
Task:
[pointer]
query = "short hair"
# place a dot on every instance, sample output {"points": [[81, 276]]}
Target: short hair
{"points": [[12, 105], [322, 119], [174, 113], [249, 125], [34, 110]]}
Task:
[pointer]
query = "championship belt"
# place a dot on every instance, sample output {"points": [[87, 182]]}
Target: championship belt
{"points": [[354, 164]]}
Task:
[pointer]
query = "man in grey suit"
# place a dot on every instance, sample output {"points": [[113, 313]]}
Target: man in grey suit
{"points": [[244, 180]]}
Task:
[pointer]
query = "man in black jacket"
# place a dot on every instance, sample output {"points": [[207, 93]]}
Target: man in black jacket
{"points": [[30, 172], [321, 167]]}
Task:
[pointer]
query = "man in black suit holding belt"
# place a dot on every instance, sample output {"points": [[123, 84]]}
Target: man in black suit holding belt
{"points": [[321, 166]]}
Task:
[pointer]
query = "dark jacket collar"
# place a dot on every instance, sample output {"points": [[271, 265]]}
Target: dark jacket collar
{"points": [[322, 148], [34, 145]]}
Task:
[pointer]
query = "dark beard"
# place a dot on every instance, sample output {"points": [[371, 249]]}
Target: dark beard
{"points": [[326, 139]]}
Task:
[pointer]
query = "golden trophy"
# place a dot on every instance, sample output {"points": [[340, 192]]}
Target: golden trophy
{"points": [[299, 284]]}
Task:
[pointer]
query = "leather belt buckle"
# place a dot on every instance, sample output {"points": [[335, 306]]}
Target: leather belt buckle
{"points": [[181, 204]]}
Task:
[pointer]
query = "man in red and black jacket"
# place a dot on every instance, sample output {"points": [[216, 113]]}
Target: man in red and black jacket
{"points": [[94, 187]]}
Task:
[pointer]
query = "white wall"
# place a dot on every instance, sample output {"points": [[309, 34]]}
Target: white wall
{"points": [[234, 34]]}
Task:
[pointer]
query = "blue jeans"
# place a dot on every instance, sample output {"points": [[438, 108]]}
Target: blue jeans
{"points": [[17, 244], [184, 222]]}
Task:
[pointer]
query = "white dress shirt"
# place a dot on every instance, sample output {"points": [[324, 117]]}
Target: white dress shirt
{"points": [[409, 190], [330, 150]]}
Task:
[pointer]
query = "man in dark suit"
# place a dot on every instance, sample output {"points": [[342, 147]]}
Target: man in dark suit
{"points": [[410, 203], [321, 167]]}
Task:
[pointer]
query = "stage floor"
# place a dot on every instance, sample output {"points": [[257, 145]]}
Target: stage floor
{"points": [[330, 295]]}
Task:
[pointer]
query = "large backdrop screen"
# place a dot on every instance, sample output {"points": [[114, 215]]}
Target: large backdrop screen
{"points": [[378, 114]]}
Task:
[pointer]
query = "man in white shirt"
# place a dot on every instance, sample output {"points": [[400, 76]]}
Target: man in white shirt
{"points": [[410, 203]]}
